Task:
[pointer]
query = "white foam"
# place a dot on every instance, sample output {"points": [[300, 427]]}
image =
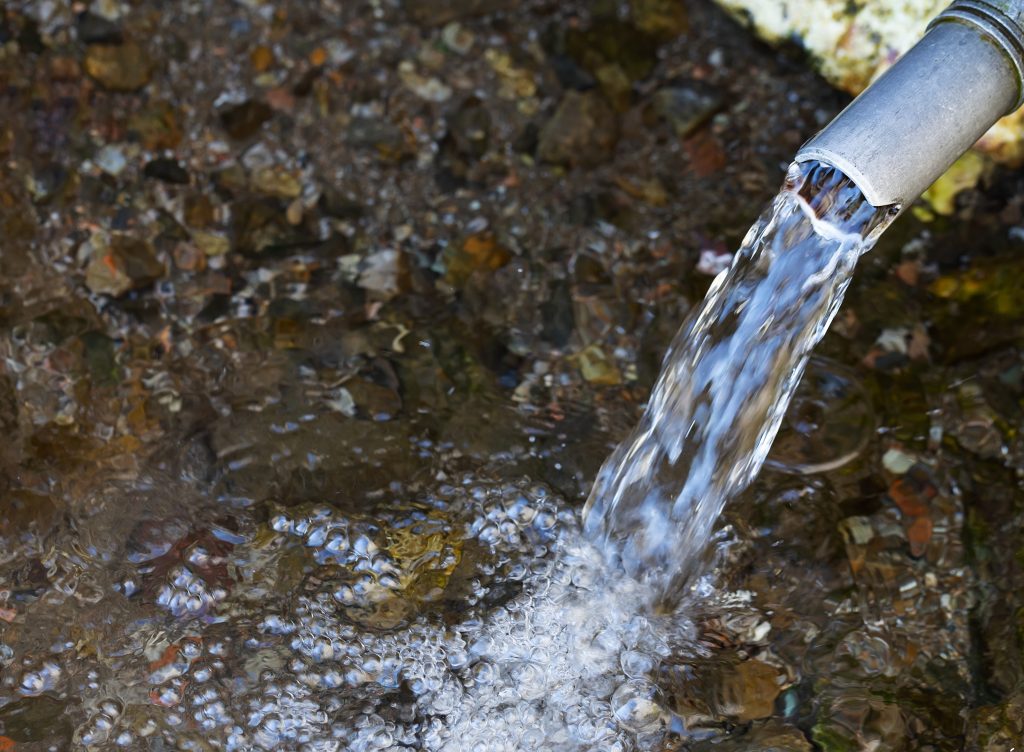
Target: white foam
{"points": [[554, 651]]}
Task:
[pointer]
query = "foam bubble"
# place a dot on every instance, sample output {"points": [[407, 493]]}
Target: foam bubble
{"points": [[476, 617], [550, 649]]}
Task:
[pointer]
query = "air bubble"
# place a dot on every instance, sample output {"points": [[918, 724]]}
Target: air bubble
{"points": [[637, 706], [477, 618], [636, 665]]}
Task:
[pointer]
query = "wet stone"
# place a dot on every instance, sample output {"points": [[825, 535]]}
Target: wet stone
{"points": [[639, 706], [340, 204], [527, 139], [995, 728], [119, 67], [570, 73], [8, 405], [95, 29], [828, 423], [597, 368], [101, 358], [25, 31], [747, 691], [372, 400], [457, 38], [243, 121], [469, 127], [762, 736], [211, 243], [651, 191], [35, 719], [276, 181], [167, 171], [199, 210], [29, 514], [427, 88], [858, 720], [46, 182], [384, 273], [230, 181], [557, 313], [370, 133], [581, 133], [728, 689], [611, 43], [128, 263], [616, 86], [477, 253], [112, 160], [686, 108], [260, 225], [262, 58], [662, 18], [156, 126]]}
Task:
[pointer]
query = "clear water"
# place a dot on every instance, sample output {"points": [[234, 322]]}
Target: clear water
{"points": [[473, 615], [729, 376]]}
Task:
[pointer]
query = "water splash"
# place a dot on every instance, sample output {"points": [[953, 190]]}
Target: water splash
{"points": [[477, 618], [551, 651], [729, 375]]}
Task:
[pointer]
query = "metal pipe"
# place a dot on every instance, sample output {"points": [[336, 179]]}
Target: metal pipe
{"points": [[906, 129]]}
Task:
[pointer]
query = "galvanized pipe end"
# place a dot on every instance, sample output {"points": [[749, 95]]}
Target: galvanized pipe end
{"points": [[906, 129], [1002, 22]]}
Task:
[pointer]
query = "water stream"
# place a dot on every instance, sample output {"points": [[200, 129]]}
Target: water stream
{"points": [[729, 376]]}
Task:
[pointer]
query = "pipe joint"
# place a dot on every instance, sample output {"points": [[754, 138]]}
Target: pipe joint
{"points": [[1002, 21]]}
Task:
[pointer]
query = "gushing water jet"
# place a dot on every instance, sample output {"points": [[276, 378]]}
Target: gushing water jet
{"points": [[728, 377]]}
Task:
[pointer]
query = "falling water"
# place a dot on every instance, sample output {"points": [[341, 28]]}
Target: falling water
{"points": [[729, 375]]}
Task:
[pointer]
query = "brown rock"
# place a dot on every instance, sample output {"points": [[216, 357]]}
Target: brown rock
{"points": [[119, 67], [706, 154], [663, 18], [372, 400], [156, 126], [582, 132], [997, 727], [479, 251], [243, 120], [261, 58], [686, 108], [127, 263], [597, 368], [746, 691]]}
